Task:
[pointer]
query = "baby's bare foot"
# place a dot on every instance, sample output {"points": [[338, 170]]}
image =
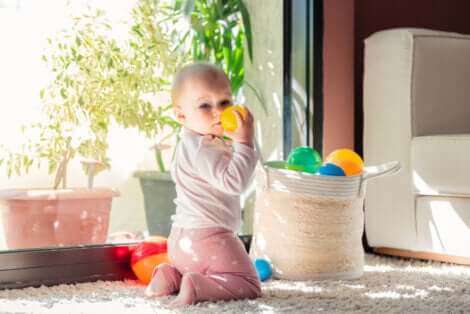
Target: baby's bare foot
{"points": [[159, 286], [186, 295]]}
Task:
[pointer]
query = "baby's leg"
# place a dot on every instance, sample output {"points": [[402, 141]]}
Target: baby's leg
{"points": [[197, 287], [228, 274], [166, 280]]}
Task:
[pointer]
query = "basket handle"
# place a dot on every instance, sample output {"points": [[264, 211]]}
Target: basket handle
{"points": [[388, 168]]}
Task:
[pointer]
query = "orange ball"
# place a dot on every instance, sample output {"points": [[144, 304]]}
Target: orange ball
{"points": [[148, 255], [346, 159], [228, 118]]}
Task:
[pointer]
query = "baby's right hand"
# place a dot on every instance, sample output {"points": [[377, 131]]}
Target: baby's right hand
{"points": [[245, 129]]}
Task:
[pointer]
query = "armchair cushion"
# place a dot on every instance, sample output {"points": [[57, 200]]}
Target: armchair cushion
{"points": [[442, 224], [440, 165]]}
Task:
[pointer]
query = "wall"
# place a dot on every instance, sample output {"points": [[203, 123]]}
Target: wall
{"points": [[264, 73], [338, 74]]}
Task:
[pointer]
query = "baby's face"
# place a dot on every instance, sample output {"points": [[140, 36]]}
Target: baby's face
{"points": [[200, 104]]}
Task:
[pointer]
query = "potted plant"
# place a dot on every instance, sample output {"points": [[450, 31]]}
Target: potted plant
{"points": [[96, 81]]}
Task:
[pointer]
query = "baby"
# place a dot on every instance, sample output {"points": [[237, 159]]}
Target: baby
{"points": [[208, 260]]}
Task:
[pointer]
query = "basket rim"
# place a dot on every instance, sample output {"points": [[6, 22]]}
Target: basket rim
{"points": [[313, 175]]}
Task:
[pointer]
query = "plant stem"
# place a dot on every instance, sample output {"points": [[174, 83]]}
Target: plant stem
{"points": [[58, 175], [61, 173], [159, 157], [64, 173]]}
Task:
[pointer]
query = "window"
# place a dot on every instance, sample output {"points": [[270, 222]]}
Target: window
{"points": [[50, 246], [303, 74]]}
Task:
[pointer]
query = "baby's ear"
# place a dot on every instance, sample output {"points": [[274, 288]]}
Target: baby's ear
{"points": [[179, 114]]}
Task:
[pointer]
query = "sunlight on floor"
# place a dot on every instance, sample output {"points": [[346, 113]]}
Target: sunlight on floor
{"points": [[396, 295], [445, 269], [299, 286], [406, 292]]}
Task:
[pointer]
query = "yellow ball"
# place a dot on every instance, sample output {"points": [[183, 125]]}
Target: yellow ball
{"points": [[228, 118], [346, 159]]}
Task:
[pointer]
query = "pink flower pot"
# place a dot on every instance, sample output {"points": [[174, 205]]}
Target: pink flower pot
{"points": [[43, 218]]}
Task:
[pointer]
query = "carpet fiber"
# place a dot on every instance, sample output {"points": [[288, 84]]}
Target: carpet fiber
{"points": [[388, 285]]}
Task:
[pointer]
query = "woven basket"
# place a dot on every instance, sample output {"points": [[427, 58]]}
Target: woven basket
{"points": [[310, 226]]}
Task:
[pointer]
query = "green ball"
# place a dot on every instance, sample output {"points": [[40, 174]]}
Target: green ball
{"points": [[304, 158]]}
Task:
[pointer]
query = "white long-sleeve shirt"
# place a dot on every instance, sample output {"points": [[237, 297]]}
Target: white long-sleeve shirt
{"points": [[210, 175]]}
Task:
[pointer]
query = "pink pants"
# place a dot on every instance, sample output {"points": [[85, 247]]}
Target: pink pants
{"points": [[212, 263]]}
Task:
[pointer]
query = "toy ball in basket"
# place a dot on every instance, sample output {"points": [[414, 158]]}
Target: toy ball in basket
{"points": [[318, 216], [329, 169], [346, 160], [148, 255], [305, 159]]}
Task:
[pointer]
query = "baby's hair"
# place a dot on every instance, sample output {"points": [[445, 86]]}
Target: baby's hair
{"points": [[206, 71]]}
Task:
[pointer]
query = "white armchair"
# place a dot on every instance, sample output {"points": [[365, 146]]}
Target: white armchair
{"points": [[417, 111]]}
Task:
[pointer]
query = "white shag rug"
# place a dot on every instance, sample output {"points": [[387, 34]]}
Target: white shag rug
{"points": [[389, 285]]}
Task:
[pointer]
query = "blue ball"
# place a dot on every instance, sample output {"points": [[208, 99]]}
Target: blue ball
{"points": [[329, 169], [263, 268]]}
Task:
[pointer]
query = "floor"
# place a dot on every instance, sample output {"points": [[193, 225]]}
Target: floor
{"points": [[389, 285]]}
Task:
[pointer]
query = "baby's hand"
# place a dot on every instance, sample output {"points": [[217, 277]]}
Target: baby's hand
{"points": [[245, 130]]}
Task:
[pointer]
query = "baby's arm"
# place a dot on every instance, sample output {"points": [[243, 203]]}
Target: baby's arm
{"points": [[228, 172]]}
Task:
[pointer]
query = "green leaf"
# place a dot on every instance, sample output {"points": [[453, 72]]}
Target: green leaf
{"points": [[178, 5], [236, 83], [247, 28], [219, 6], [136, 29], [227, 54]]}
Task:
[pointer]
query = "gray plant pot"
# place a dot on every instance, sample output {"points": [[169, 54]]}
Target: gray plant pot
{"points": [[159, 193]]}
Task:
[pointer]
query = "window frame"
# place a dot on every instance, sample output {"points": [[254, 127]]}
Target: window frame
{"points": [[312, 29], [52, 266]]}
